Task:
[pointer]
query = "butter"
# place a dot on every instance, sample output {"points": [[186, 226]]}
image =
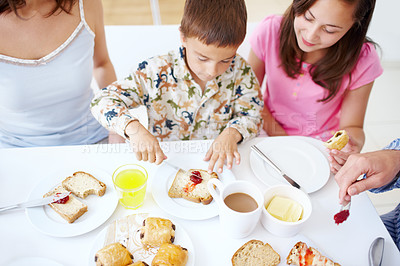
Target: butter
{"points": [[285, 209]]}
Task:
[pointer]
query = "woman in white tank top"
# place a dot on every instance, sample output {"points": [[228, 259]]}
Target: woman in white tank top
{"points": [[49, 52]]}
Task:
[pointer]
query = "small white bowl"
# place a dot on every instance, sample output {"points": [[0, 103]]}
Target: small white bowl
{"points": [[282, 228]]}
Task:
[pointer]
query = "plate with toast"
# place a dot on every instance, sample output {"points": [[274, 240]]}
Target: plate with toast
{"points": [[145, 237], [301, 158], [183, 193], [91, 202]]}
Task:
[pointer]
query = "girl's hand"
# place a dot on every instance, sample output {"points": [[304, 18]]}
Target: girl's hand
{"points": [[144, 144], [224, 148], [338, 158]]}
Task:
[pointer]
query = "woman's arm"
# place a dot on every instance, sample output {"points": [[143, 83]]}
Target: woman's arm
{"points": [[103, 69]]}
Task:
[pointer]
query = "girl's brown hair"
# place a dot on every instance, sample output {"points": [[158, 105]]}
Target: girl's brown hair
{"points": [[218, 22], [340, 58], [13, 5]]}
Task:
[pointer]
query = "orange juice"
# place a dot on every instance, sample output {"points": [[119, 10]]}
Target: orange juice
{"points": [[130, 181]]}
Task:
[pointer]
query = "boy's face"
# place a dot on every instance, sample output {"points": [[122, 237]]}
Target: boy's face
{"points": [[206, 62]]}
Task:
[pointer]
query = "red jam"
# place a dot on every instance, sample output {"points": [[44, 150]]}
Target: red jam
{"points": [[195, 177], [341, 216], [61, 201]]}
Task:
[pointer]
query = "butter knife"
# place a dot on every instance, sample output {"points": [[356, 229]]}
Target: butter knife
{"points": [[178, 168], [267, 160], [36, 202]]}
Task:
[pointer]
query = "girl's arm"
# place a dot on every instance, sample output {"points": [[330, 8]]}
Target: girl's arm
{"points": [[352, 115], [352, 120], [257, 65], [103, 69], [270, 126]]}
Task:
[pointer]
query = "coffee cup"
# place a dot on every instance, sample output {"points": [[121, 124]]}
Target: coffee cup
{"points": [[240, 205]]}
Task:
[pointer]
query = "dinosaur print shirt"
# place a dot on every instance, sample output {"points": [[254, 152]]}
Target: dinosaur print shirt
{"points": [[176, 106]]}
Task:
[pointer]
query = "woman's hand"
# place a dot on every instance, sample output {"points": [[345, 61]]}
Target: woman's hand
{"points": [[380, 167], [144, 144], [224, 148]]}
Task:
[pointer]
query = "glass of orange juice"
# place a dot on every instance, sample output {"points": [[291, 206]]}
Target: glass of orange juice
{"points": [[130, 181]]}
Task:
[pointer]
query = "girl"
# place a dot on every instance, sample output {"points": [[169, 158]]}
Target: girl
{"points": [[49, 51], [320, 68]]}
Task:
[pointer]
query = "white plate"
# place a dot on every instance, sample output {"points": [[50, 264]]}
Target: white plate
{"points": [[139, 253], [298, 158], [47, 221], [179, 207], [33, 261]]}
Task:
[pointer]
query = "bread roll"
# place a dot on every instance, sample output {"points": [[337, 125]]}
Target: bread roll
{"points": [[157, 231], [114, 254], [170, 254], [338, 141]]}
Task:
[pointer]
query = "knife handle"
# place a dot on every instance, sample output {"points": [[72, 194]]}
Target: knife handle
{"points": [[265, 158], [8, 208]]}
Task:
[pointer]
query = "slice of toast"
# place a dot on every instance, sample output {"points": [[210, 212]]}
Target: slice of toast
{"points": [[71, 210], [255, 252], [82, 184], [183, 187], [303, 255]]}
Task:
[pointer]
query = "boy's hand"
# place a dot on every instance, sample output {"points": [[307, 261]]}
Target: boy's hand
{"points": [[144, 144], [224, 148]]}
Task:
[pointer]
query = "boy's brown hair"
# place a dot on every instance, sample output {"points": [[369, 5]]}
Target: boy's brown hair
{"points": [[218, 22]]}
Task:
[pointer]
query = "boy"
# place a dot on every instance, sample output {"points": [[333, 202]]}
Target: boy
{"points": [[202, 91]]}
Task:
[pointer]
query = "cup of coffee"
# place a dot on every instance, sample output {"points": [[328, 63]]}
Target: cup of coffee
{"points": [[240, 204]]}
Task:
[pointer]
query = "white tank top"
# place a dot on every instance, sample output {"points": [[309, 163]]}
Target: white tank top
{"points": [[45, 102]]}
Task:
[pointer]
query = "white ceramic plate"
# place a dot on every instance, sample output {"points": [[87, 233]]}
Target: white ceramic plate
{"points": [[298, 158], [47, 221], [33, 261], [135, 246], [179, 207]]}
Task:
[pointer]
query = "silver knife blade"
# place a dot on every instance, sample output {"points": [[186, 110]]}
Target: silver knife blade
{"points": [[271, 163], [178, 168], [36, 202]]}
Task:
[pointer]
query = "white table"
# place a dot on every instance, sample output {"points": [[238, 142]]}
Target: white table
{"points": [[22, 169]]}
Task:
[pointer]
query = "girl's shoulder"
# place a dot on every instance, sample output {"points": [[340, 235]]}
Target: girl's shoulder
{"points": [[268, 27], [368, 55], [271, 22]]}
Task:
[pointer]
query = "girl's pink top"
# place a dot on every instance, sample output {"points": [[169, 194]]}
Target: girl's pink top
{"points": [[294, 102]]}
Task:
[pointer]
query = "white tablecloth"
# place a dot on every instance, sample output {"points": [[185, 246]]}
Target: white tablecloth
{"points": [[22, 169]]}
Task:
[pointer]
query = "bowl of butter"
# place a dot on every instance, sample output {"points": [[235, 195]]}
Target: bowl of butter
{"points": [[286, 209]]}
